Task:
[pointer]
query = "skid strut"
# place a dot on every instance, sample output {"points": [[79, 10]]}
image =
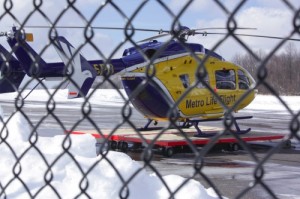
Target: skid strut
{"points": [[147, 128], [200, 133]]}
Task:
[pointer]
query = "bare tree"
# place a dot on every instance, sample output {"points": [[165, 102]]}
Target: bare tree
{"points": [[283, 72]]}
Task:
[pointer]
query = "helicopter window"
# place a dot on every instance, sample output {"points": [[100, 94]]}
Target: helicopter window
{"points": [[201, 85], [126, 52], [129, 51], [244, 82], [185, 79], [149, 53], [225, 79]]}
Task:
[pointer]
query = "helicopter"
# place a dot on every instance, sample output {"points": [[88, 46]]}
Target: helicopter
{"points": [[14, 78], [172, 67]]}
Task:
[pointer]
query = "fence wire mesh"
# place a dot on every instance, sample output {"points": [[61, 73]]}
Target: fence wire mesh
{"points": [[87, 114]]}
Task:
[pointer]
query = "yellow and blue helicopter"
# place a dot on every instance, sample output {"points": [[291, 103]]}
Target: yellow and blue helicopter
{"points": [[163, 80]]}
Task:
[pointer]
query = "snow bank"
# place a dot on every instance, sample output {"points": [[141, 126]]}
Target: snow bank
{"points": [[269, 102], [98, 97], [66, 177]]}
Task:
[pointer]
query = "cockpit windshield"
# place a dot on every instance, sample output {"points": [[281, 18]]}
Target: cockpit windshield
{"points": [[245, 80]]}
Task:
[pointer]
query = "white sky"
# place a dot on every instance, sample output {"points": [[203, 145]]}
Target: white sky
{"points": [[270, 17]]}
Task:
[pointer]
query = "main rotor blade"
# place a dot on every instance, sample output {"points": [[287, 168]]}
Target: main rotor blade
{"points": [[163, 33], [139, 29], [154, 37], [219, 28], [101, 28], [247, 35]]}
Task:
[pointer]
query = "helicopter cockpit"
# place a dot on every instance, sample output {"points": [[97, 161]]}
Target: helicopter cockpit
{"points": [[227, 79]]}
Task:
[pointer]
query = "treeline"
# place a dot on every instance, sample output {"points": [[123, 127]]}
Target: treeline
{"points": [[283, 72]]}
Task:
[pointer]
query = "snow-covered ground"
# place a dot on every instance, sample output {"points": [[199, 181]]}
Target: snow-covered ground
{"points": [[102, 180], [65, 176], [269, 102], [98, 97]]}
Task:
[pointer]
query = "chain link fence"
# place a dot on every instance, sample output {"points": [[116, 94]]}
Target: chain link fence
{"points": [[127, 119]]}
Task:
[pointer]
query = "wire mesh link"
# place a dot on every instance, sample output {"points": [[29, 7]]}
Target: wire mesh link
{"points": [[126, 111]]}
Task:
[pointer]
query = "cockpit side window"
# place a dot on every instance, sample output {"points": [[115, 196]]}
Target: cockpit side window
{"points": [[225, 79], [185, 79], [243, 80]]}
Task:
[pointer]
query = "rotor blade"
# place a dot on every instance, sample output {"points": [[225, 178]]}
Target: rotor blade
{"points": [[71, 27], [219, 28], [154, 37], [102, 28], [247, 35], [268, 37], [138, 29]]}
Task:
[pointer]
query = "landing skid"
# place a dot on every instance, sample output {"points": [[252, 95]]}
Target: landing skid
{"points": [[200, 133]]}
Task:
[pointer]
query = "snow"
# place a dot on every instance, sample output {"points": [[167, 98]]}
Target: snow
{"points": [[98, 97], [65, 174], [102, 181], [269, 102]]}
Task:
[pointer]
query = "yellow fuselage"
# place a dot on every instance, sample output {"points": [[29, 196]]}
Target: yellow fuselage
{"points": [[175, 76]]}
